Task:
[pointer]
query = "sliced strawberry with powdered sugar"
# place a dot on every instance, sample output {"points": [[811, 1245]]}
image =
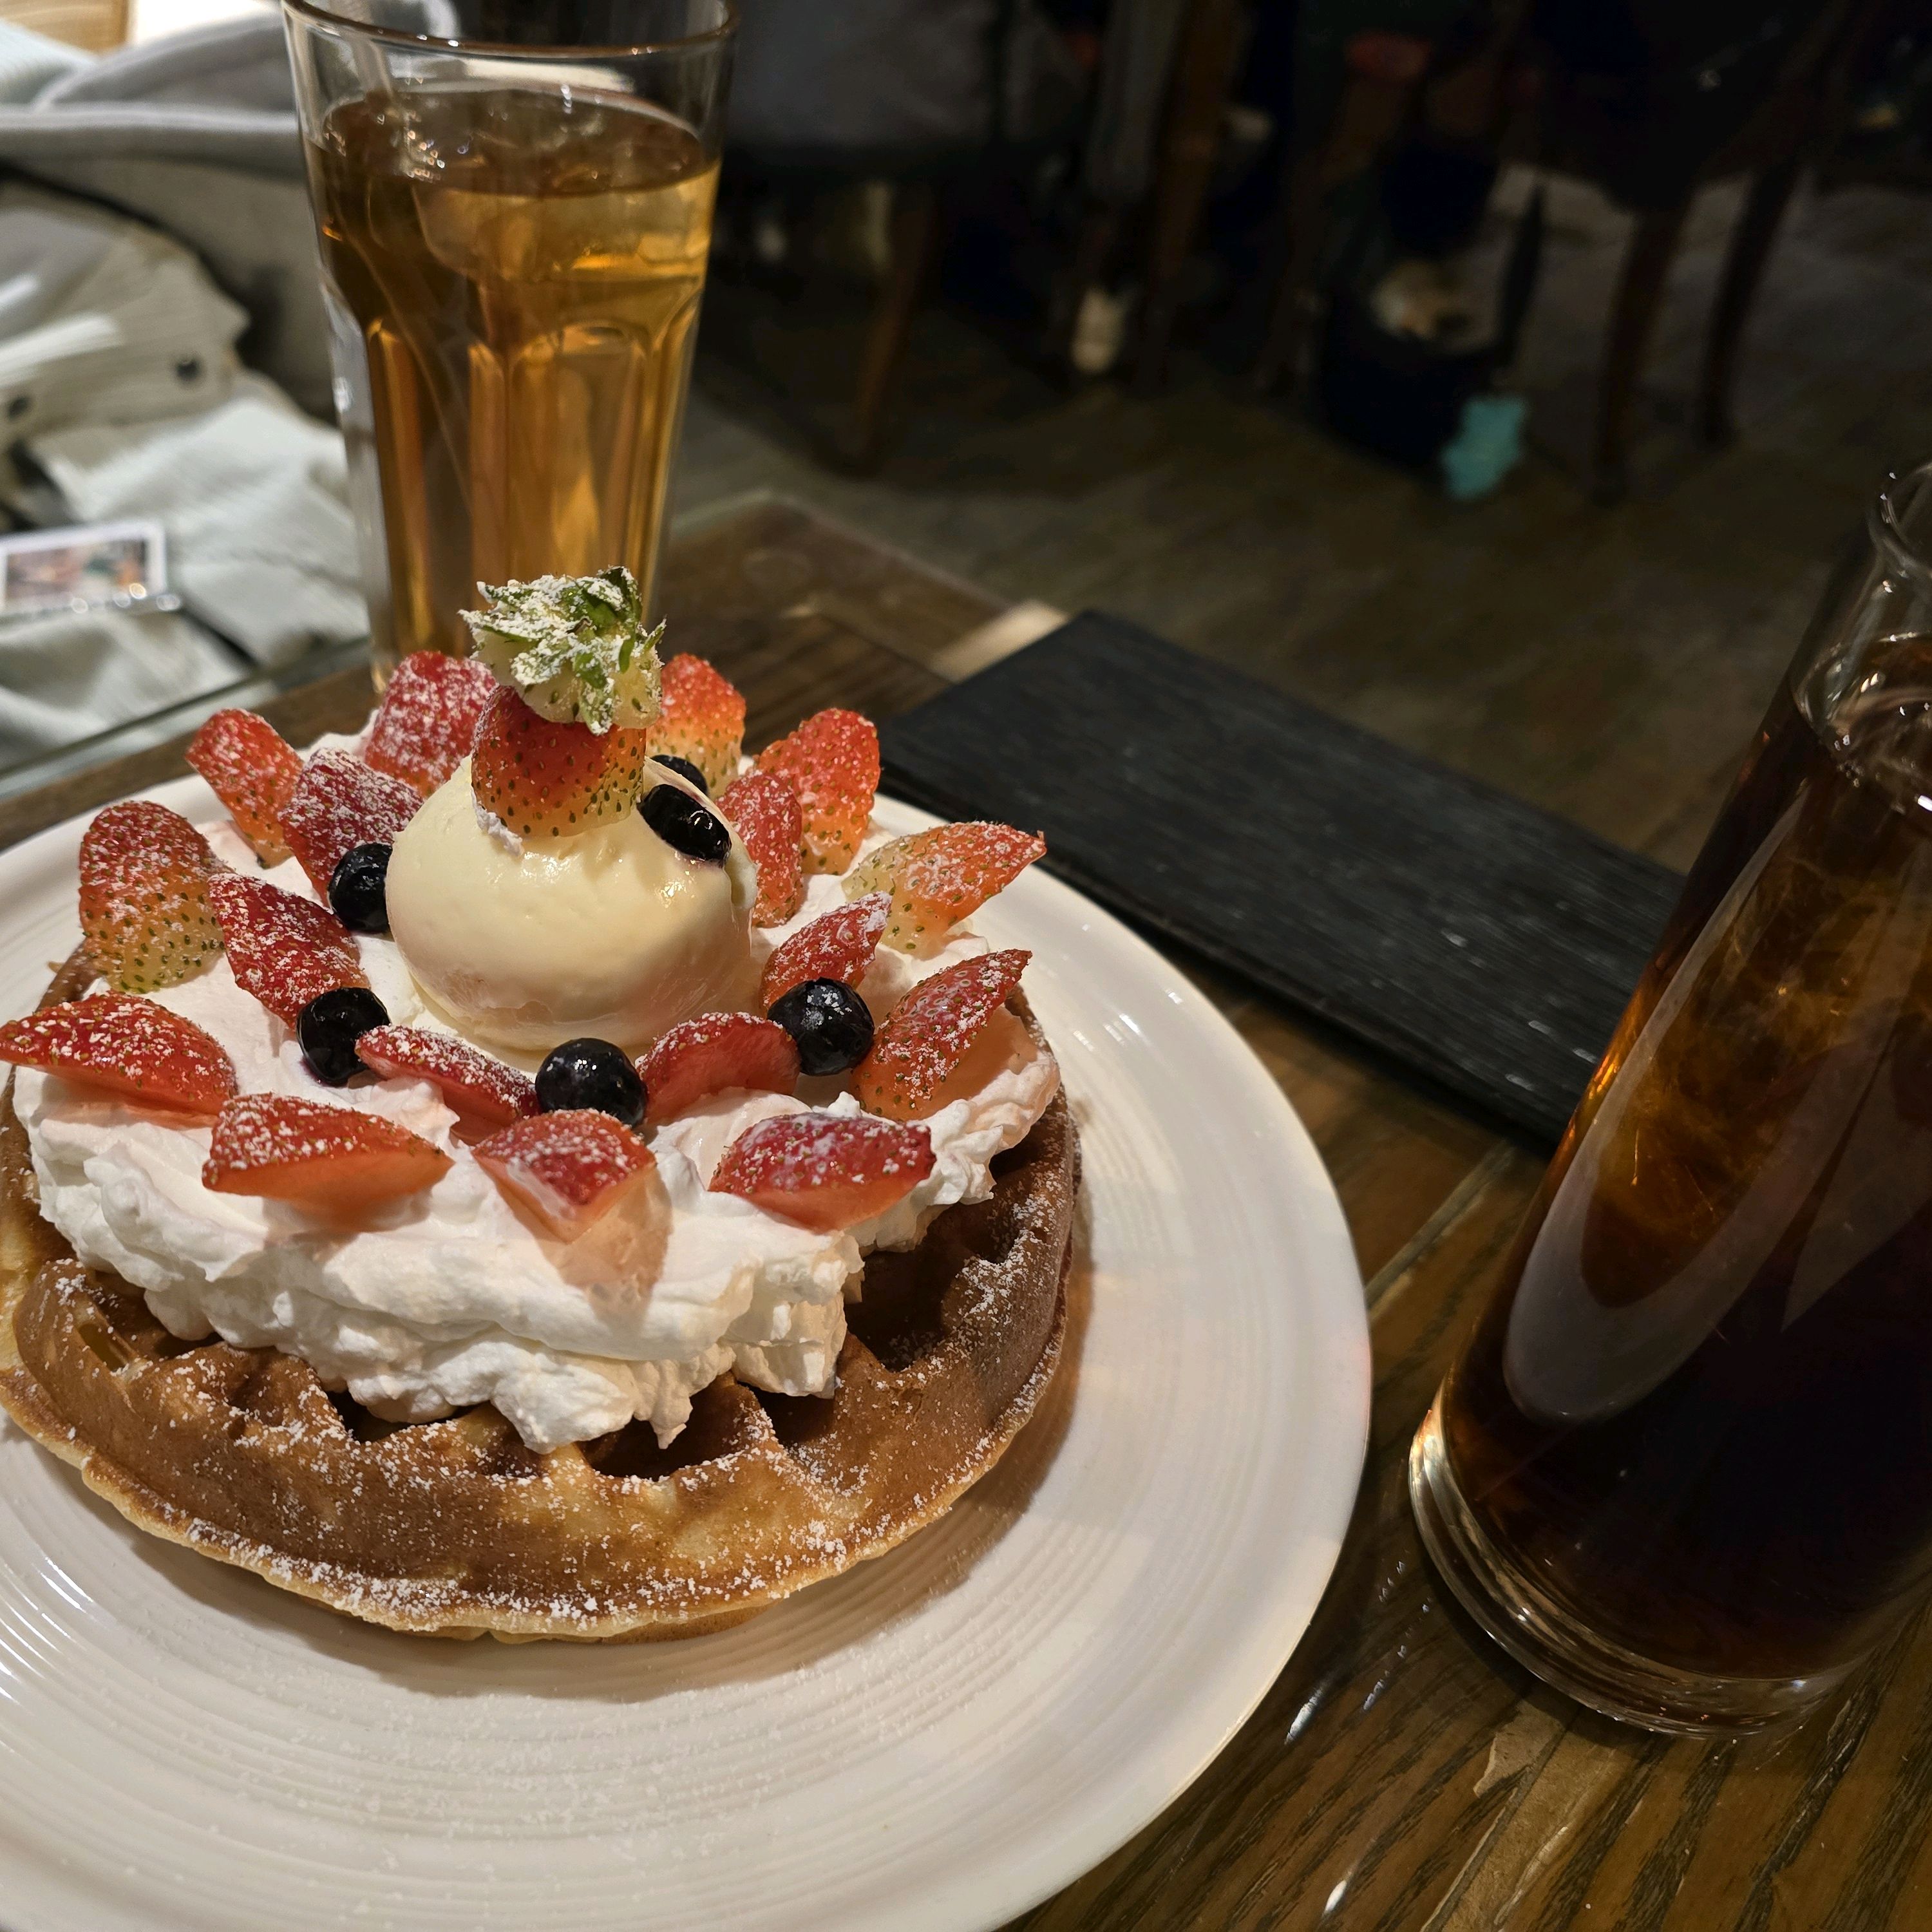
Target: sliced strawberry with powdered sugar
{"points": [[338, 802], [839, 945], [825, 1171], [253, 769], [482, 1090], [127, 1047], [701, 717], [428, 720], [832, 759], [145, 917], [711, 1054], [569, 1168], [763, 808], [283, 949], [939, 876], [541, 778], [930, 1031], [332, 1160]]}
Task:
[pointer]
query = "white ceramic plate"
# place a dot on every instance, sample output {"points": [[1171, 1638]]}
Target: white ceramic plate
{"points": [[937, 1739]]}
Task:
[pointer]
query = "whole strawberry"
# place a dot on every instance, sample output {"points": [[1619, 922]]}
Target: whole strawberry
{"points": [[542, 778]]}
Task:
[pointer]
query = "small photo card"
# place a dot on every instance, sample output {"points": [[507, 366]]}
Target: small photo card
{"points": [[82, 567]]}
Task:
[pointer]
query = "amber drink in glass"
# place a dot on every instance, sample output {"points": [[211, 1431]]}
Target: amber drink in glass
{"points": [[513, 234], [1683, 1467]]}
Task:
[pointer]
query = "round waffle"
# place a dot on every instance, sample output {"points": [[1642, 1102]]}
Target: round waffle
{"points": [[454, 1528]]}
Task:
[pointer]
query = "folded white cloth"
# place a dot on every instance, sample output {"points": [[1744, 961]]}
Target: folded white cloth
{"points": [[65, 676], [103, 320], [253, 495]]}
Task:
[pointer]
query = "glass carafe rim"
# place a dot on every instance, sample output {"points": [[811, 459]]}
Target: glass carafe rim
{"points": [[320, 14], [1882, 520]]}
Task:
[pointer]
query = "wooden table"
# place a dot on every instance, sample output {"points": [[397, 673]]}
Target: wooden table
{"points": [[1401, 1773]]}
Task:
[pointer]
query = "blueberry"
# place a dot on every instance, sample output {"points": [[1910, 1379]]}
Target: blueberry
{"points": [[359, 889], [831, 1024], [684, 768], [591, 1073], [685, 826], [328, 1027]]}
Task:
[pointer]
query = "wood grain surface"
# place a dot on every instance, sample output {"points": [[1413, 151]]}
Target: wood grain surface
{"points": [[1401, 1775]]}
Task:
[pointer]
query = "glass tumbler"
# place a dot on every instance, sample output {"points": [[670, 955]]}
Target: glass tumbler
{"points": [[1682, 1468], [513, 200]]}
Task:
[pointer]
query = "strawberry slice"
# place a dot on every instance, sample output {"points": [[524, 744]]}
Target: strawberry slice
{"points": [[283, 949], [127, 1046], [144, 913], [338, 802], [839, 945], [833, 760], [540, 777], [941, 875], [930, 1032], [763, 808], [569, 1168], [252, 769], [428, 718], [482, 1090], [712, 1053], [701, 717], [825, 1171], [333, 1160]]}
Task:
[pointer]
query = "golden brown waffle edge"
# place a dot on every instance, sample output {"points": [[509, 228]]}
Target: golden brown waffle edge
{"points": [[454, 1528]]}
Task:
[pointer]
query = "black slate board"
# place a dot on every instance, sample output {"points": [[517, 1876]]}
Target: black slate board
{"points": [[1484, 942]]}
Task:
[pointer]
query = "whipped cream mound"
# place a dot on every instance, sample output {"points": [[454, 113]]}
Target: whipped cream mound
{"points": [[523, 943], [449, 1298]]}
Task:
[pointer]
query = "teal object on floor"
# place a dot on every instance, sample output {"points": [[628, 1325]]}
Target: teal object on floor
{"points": [[1487, 446]]}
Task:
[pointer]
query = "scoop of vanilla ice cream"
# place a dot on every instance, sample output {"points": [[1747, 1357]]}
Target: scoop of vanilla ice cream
{"points": [[523, 943]]}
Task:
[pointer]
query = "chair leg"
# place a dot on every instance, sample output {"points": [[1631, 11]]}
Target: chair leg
{"points": [[1386, 75], [1297, 295], [1751, 243], [1640, 300], [1204, 73], [915, 236]]}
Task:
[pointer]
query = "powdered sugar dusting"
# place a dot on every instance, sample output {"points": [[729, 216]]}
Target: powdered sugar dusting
{"points": [[762, 808], [827, 1170], [253, 769], [339, 802], [701, 717], [930, 1031], [833, 760], [427, 719], [127, 1045], [840, 946], [711, 1054], [283, 949], [565, 1162], [144, 906], [468, 1079], [257, 1132], [941, 875]]}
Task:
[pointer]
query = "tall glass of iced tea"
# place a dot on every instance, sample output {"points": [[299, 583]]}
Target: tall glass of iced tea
{"points": [[1683, 1467], [514, 198]]}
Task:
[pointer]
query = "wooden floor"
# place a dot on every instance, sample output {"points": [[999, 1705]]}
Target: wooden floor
{"points": [[1535, 640]]}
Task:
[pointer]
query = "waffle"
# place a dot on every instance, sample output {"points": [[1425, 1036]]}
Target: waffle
{"points": [[454, 1528]]}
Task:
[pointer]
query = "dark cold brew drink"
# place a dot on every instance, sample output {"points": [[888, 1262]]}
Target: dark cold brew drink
{"points": [[1684, 1465]]}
